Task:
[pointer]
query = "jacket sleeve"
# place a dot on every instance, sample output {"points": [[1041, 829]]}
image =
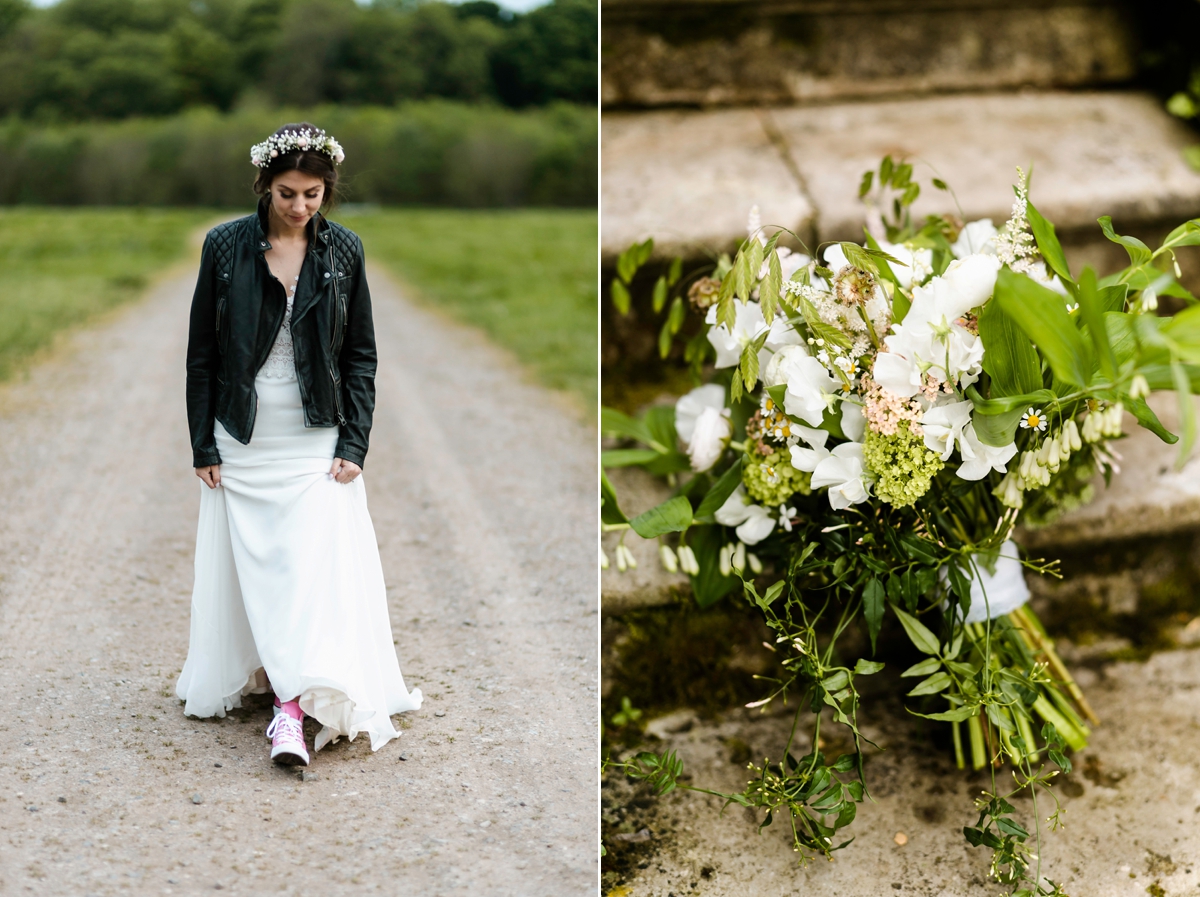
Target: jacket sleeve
{"points": [[203, 361], [356, 364]]}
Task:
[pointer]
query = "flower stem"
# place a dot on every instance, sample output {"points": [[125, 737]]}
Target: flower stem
{"points": [[978, 752], [956, 731], [1030, 624]]}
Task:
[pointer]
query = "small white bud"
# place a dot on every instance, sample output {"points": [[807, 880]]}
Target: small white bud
{"points": [[1053, 457], [1149, 300], [1139, 388], [1071, 430], [756, 566], [738, 561], [687, 560], [603, 560], [667, 556], [723, 562], [629, 558], [621, 565]]}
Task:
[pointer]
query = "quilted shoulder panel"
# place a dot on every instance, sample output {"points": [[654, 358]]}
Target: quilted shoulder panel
{"points": [[222, 239], [346, 247]]}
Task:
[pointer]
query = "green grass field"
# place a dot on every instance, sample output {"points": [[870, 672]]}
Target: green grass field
{"points": [[60, 267], [526, 278]]}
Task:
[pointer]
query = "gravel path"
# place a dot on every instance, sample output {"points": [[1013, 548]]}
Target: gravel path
{"points": [[482, 490]]}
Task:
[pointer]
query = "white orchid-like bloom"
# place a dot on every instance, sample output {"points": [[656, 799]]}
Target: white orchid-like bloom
{"points": [[703, 423], [915, 264], [754, 522], [943, 426], [980, 459], [843, 472], [809, 383], [930, 339], [976, 238], [854, 421], [807, 459], [748, 325]]}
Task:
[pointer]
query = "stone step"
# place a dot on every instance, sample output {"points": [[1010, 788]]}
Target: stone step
{"points": [[742, 52], [688, 178]]}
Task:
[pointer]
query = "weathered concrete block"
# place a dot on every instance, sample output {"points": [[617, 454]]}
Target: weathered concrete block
{"points": [[689, 178], [648, 584], [1092, 154], [689, 181], [675, 52]]}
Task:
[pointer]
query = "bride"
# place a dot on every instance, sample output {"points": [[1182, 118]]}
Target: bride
{"points": [[289, 594]]}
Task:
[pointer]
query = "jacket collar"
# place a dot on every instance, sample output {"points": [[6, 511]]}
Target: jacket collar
{"points": [[318, 229]]}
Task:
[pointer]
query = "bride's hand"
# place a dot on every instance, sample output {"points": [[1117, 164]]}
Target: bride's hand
{"points": [[344, 471], [211, 475]]}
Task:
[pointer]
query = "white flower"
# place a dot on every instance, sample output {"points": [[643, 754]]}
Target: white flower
{"points": [[1033, 420], [748, 324], [703, 422], [977, 237], [943, 426], [1039, 273], [807, 459], [809, 390], [711, 434], [854, 421], [897, 374], [669, 561], [690, 406], [782, 364], [785, 516], [980, 459], [754, 522], [915, 264], [843, 473], [687, 560]]}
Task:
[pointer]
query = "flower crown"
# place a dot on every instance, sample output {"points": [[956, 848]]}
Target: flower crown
{"points": [[261, 154]]}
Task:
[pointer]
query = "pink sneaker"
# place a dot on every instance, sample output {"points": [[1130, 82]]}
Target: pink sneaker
{"points": [[287, 741]]}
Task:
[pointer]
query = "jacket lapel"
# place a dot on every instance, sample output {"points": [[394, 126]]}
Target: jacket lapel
{"points": [[316, 270]]}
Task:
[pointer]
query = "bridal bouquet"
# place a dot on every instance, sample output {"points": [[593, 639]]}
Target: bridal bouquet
{"points": [[874, 425]]}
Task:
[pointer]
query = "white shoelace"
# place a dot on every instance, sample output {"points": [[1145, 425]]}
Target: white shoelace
{"points": [[286, 729]]}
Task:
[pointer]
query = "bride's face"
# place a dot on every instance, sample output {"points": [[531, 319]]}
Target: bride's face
{"points": [[296, 196]]}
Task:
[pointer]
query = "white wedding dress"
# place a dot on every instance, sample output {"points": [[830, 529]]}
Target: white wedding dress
{"points": [[289, 594]]}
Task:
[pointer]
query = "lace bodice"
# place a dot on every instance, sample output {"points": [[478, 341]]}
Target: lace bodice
{"points": [[281, 362]]}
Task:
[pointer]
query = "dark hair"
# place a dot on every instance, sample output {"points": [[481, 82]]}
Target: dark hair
{"points": [[311, 162]]}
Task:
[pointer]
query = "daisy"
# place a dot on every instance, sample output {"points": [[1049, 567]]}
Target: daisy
{"points": [[1033, 420]]}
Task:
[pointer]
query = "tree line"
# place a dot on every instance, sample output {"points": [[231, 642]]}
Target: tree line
{"points": [[110, 59]]}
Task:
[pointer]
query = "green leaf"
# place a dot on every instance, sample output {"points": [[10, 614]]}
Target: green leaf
{"points": [[1139, 252], [957, 715], [643, 251], [1181, 105], [1008, 356], [1092, 309], [998, 430], [1009, 827], [660, 294], [620, 297], [847, 762], [675, 271], [864, 186], [1042, 314], [627, 264], [709, 586], [835, 681], [671, 326], [925, 641], [726, 313], [1048, 245], [721, 490], [924, 668], [771, 286], [873, 600], [940, 184], [886, 167], [864, 667], [672, 516], [1147, 418], [627, 457], [615, 424], [1187, 234], [610, 512], [931, 686]]}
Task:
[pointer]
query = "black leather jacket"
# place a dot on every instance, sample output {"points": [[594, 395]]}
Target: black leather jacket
{"points": [[237, 310]]}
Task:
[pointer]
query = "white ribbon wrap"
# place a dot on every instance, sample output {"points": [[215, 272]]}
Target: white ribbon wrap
{"points": [[1006, 589]]}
